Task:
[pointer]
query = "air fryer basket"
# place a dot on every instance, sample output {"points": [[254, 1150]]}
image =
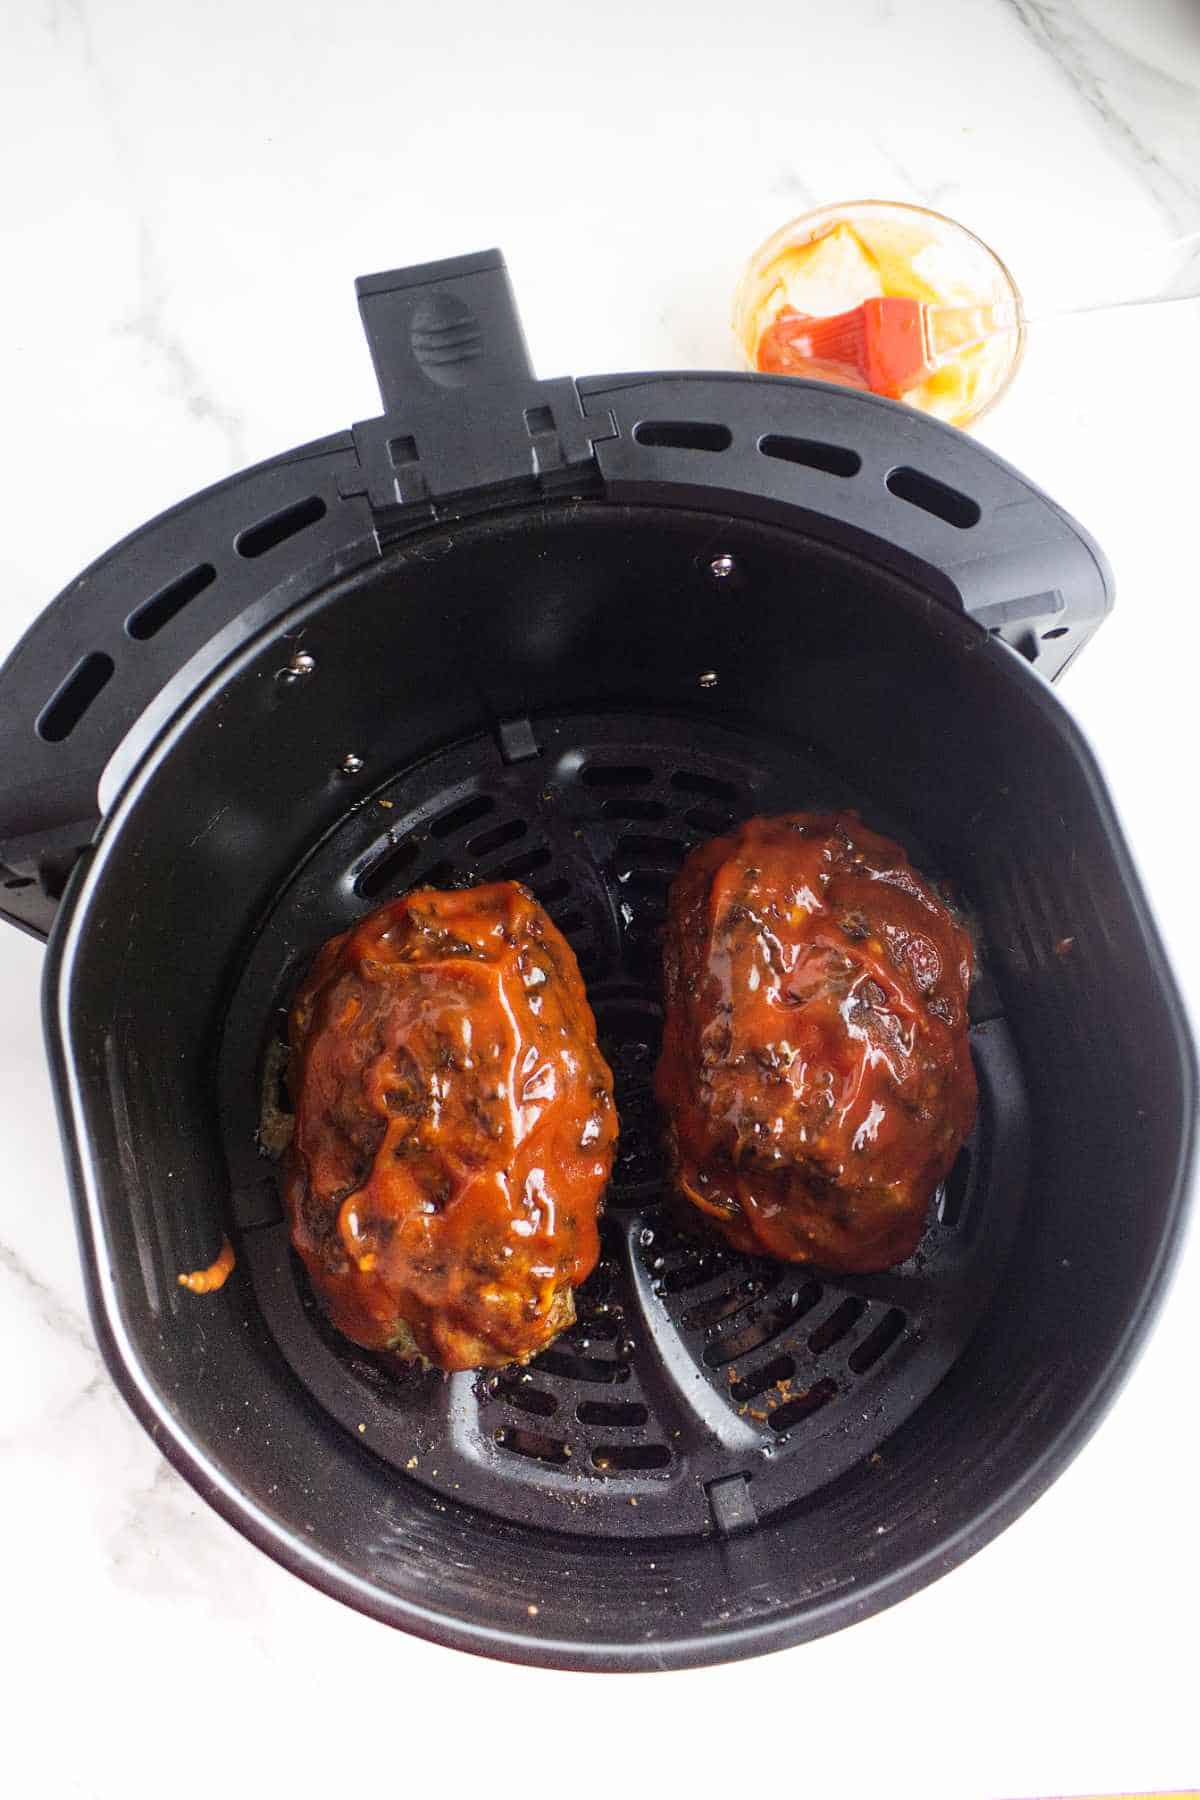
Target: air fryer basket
{"points": [[563, 633]]}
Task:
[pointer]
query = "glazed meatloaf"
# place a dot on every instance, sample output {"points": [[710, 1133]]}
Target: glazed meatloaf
{"points": [[454, 1128], [816, 1078]]}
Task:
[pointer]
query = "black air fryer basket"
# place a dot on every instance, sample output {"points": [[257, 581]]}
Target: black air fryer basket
{"points": [[562, 631]]}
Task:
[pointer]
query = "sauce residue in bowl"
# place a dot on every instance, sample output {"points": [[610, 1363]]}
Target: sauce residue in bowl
{"points": [[831, 261]]}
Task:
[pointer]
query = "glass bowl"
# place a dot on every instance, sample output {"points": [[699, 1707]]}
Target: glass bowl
{"points": [[830, 260]]}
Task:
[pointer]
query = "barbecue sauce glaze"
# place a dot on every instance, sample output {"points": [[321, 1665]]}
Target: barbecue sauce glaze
{"points": [[454, 1128], [815, 1077]]}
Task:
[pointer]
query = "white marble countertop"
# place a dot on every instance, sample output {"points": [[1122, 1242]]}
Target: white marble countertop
{"points": [[189, 193]]}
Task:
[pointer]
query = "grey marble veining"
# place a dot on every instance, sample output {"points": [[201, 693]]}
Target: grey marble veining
{"points": [[1145, 109], [148, 323], [51, 1310]]}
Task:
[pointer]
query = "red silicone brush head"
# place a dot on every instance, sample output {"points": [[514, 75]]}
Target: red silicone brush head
{"points": [[832, 260], [896, 344], [883, 340]]}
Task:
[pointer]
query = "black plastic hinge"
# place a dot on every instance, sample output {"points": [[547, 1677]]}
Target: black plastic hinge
{"points": [[466, 424], [34, 873]]}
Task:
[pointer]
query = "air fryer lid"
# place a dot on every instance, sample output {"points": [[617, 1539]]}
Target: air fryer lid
{"points": [[563, 633]]}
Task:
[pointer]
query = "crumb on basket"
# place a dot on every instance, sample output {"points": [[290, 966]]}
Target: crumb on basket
{"points": [[207, 1281]]}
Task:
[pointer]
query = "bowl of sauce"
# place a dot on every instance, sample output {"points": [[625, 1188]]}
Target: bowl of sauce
{"points": [[831, 260]]}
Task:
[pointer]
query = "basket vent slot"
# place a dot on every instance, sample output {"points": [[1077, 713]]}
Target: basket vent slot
{"points": [[830, 459], [843, 1319], [691, 781], [62, 713], [615, 775], [497, 836], [723, 1306], [682, 434], [148, 619], [269, 533], [522, 866], [581, 1368], [613, 1415], [792, 1411], [526, 1398], [459, 817], [768, 1325], [780, 1368], [699, 1267], [934, 497], [532, 1444], [384, 875], [608, 1457], [888, 1332]]}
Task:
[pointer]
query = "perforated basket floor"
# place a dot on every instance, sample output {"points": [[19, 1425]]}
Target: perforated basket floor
{"points": [[698, 1389]]}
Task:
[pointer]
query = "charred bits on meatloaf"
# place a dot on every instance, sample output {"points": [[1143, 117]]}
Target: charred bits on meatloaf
{"points": [[816, 1077], [454, 1128]]}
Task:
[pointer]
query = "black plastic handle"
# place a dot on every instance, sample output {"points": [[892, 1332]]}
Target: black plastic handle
{"points": [[441, 327], [463, 413]]}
